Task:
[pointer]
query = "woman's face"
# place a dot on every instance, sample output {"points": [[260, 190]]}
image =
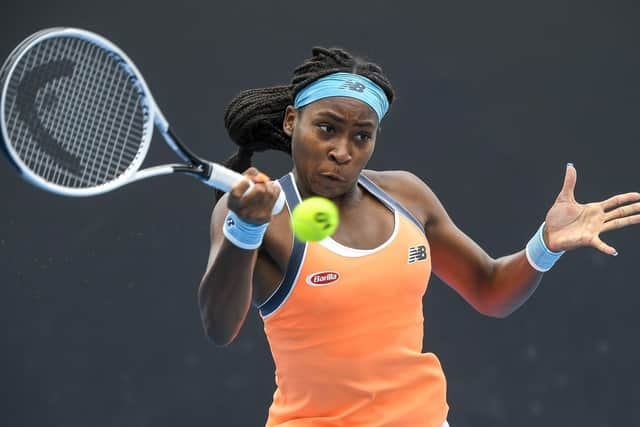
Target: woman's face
{"points": [[332, 140]]}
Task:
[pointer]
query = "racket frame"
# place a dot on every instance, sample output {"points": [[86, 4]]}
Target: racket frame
{"points": [[208, 172]]}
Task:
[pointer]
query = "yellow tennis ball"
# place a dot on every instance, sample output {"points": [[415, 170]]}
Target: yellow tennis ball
{"points": [[314, 219]]}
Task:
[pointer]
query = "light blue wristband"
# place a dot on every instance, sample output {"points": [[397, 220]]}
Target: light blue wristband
{"points": [[243, 234], [538, 255]]}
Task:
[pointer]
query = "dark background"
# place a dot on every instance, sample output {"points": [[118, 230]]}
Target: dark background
{"points": [[98, 295]]}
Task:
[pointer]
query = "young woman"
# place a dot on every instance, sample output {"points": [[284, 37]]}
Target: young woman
{"points": [[344, 316]]}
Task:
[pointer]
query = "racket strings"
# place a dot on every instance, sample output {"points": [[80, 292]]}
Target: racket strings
{"points": [[73, 114]]}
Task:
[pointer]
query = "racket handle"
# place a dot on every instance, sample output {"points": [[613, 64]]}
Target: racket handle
{"points": [[225, 179]]}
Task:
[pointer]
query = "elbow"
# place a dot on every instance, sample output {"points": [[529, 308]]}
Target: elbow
{"points": [[213, 330], [217, 330], [492, 304], [218, 336], [222, 317], [219, 341], [492, 309], [498, 313]]}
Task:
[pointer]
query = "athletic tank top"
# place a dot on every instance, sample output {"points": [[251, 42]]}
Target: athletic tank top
{"points": [[345, 328]]}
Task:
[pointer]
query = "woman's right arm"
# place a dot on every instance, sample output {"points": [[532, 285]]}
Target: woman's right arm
{"points": [[225, 291]]}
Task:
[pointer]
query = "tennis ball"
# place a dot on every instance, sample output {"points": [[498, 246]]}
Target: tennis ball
{"points": [[314, 219]]}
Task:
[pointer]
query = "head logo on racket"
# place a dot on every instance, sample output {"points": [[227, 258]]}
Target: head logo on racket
{"points": [[27, 95]]}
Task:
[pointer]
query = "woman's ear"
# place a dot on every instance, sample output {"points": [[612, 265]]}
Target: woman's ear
{"points": [[289, 121]]}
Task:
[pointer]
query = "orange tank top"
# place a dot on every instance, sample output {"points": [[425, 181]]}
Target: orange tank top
{"points": [[345, 329]]}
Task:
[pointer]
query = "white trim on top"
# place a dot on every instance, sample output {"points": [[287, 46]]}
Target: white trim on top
{"points": [[346, 251]]}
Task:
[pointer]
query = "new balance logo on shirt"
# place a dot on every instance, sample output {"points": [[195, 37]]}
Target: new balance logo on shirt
{"points": [[417, 253]]}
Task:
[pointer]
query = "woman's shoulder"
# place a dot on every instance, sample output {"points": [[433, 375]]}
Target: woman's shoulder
{"points": [[406, 188], [395, 180], [400, 183]]}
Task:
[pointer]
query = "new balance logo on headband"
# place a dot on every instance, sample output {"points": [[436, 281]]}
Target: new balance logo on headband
{"points": [[352, 85], [344, 84], [417, 253]]}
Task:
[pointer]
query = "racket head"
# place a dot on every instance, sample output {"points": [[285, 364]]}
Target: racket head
{"points": [[76, 116]]}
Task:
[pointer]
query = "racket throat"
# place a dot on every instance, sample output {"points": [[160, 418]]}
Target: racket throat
{"points": [[179, 148]]}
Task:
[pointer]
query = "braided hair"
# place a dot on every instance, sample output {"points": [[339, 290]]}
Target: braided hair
{"points": [[254, 118]]}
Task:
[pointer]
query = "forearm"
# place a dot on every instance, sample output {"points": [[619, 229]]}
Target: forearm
{"points": [[225, 292], [511, 282]]}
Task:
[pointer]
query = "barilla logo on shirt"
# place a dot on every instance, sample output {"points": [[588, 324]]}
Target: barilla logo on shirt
{"points": [[323, 278]]}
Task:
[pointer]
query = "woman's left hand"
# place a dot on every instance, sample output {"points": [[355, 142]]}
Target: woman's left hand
{"points": [[569, 224]]}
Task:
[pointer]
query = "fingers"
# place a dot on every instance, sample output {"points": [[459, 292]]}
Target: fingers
{"points": [[253, 198], [240, 189], [603, 247], [569, 185], [618, 217], [253, 175], [621, 222], [622, 212], [620, 199], [260, 177]]}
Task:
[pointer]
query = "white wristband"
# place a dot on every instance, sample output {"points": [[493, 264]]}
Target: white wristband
{"points": [[538, 255]]}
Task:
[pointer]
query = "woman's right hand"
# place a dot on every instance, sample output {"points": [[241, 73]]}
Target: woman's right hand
{"points": [[256, 206]]}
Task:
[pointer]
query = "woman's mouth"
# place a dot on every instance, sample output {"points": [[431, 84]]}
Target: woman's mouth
{"points": [[333, 177]]}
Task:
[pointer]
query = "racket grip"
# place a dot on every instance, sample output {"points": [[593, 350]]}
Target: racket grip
{"points": [[225, 179]]}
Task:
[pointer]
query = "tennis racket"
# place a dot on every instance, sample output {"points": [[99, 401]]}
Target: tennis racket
{"points": [[77, 118]]}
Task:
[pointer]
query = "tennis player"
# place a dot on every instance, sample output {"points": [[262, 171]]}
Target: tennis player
{"points": [[344, 316]]}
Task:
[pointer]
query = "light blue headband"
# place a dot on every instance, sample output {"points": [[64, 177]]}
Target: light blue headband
{"points": [[345, 84]]}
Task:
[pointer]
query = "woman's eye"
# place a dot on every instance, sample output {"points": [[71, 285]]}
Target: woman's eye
{"points": [[363, 137], [326, 128]]}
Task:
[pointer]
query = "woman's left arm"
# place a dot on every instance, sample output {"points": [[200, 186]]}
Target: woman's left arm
{"points": [[497, 287]]}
